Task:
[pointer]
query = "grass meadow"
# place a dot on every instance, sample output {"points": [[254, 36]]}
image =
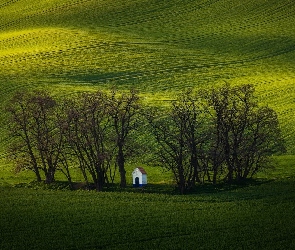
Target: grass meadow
{"points": [[159, 48]]}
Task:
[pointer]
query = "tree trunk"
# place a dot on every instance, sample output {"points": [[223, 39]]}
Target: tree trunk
{"points": [[98, 186], [215, 170], [121, 167], [50, 176], [214, 177], [68, 175], [181, 179], [37, 172], [227, 152], [195, 165]]}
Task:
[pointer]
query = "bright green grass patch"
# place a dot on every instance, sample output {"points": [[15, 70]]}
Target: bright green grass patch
{"points": [[283, 168]]}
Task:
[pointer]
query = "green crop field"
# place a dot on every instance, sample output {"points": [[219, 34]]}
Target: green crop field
{"points": [[159, 47]]}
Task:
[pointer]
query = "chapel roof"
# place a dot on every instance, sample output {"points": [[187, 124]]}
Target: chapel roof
{"points": [[142, 170]]}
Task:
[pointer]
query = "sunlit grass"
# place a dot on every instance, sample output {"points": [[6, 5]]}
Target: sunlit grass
{"points": [[158, 47]]}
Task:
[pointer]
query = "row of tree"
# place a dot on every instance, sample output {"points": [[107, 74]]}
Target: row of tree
{"points": [[89, 130], [216, 134], [208, 135]]}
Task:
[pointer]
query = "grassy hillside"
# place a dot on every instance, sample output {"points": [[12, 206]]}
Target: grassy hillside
{"points": [[160, 47]]}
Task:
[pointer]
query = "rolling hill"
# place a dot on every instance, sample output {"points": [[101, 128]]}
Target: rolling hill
{"points": [[159, 47]]}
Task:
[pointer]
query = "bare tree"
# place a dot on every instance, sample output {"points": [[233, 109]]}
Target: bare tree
{"points": [[171, 149], [262, 139], [217, 133], [124, 110], [37, 138], [22, 148], [243, 131], [187, 108], [88, 131], [180, 133]]}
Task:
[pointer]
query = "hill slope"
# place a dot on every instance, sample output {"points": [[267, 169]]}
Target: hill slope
{"points": [[158, 46]]}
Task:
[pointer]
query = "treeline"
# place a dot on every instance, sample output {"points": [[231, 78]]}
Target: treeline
{"points": [[212, 135]]}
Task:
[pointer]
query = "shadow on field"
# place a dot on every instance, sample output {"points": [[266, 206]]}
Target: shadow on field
{"points": [[206, 188], [169, 189]]}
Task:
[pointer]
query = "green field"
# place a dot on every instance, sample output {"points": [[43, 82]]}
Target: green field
{"points": [[159, 47], [259, 215]]}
